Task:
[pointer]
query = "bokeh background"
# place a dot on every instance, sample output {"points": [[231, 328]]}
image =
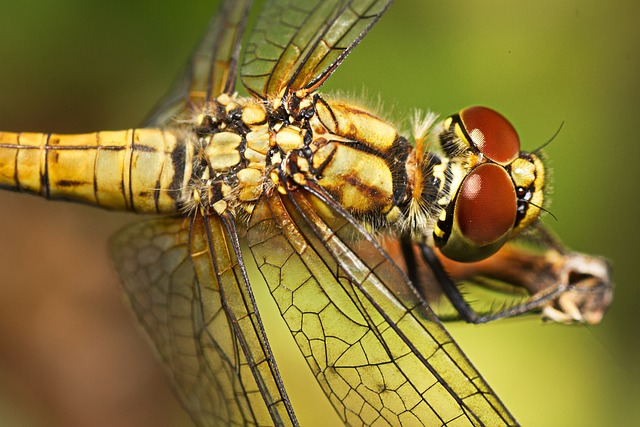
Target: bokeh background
{"points": [[70, 354]]}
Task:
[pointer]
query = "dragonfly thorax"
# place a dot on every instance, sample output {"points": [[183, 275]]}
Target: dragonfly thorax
{"points": [[245, 148]]}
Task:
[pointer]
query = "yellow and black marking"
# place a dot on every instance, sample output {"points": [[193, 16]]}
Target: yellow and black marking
{"points": [[528, 175], [143, 170]]}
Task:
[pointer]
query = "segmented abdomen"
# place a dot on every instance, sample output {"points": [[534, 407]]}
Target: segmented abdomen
{"points": [[141, 170]]}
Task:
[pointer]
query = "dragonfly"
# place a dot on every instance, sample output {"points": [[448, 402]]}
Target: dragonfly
{"points": [[362, 234]]}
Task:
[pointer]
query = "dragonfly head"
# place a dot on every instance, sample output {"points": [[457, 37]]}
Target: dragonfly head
{"points": [[500, 192]]}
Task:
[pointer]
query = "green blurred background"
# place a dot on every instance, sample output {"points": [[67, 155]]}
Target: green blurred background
{"points": [[69, 354]]}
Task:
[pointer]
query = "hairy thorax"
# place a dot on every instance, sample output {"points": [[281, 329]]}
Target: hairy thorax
{"points": [[244, 148]]}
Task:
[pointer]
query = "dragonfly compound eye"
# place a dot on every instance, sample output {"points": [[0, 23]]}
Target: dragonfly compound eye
{"points": [[484, 214], [490, 133]]}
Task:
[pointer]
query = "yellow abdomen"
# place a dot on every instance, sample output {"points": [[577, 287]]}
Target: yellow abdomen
{"points": [[141, 170]]}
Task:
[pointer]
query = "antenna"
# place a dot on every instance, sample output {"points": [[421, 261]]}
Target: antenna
{"points": [[549, 140]]}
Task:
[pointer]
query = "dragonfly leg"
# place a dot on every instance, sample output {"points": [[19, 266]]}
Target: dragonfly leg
{"points": [[566, 287]]}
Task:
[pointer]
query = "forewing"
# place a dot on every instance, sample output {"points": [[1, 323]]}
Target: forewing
{"points": [[377, 350], [184, 294], [212, 68], [297, 45]]}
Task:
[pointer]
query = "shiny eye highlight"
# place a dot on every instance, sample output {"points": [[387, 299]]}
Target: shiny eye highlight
{"points": [[486, 205], [484, 214], [491, 134]]}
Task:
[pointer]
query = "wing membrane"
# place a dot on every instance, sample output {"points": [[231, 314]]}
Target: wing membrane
{"points": [[379, 353], [297, 45], [190, 296], [212, 68]]}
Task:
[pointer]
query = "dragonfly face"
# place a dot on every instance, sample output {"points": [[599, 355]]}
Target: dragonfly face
{"points": [[306, 182], [501, 190]]}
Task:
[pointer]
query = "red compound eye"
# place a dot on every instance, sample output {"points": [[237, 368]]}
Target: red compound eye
{"points": [[491, 134], [486, 205]]}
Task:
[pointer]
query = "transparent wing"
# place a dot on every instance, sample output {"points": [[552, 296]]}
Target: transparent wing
{"points": [[212, 68], [188, 291], [297, 45], [379, 353]]}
